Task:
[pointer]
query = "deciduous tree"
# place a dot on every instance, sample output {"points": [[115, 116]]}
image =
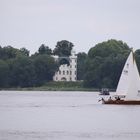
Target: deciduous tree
{"points": [[63, 48], [104, 64]]}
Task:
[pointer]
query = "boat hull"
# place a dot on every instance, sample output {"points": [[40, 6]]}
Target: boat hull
{"points": [[122, 102]]}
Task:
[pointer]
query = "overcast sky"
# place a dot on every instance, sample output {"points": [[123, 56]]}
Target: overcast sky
{"points": [[30, 23]]}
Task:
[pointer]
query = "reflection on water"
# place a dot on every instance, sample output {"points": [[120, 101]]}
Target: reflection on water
{"points": [[65, 116]]}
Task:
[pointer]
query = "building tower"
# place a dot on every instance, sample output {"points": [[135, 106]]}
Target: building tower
{"points": [[67, 72]]}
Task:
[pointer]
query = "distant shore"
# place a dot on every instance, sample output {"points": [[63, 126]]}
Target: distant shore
{"points": [[56, 86]]}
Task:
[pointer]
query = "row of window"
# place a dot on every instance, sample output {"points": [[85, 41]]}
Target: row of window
{"points": [[74, 60], [66, 72]]}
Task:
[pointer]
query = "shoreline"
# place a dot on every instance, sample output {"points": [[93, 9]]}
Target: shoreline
{"points": [[49, 89], [57, 86]]}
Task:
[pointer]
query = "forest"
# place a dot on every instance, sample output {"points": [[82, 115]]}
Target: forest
{"points": [[100, 67]]}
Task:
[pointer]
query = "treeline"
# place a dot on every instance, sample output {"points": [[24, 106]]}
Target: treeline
{"points": [[103, 64], [100, 67], [19, 69]]}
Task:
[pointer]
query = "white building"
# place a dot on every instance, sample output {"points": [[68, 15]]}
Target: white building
{"points": [[67, 72]]}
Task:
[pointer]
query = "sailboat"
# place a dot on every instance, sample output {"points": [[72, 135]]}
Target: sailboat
{"points": [[128, 89]]}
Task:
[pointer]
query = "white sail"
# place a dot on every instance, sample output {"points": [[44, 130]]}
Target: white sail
{"points": [[134, 83], [129, 83], [122, 88]]}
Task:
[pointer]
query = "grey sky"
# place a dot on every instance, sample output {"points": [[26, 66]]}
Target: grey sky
{"points": [[30, 23]]}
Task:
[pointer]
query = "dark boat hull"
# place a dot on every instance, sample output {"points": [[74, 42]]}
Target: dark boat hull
{"points": [[104, 94], [121, 102]]}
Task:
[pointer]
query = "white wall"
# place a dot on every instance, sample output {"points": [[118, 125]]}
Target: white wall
{"points": [[67, 73]]}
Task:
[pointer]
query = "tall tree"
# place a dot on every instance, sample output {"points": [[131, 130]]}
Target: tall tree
{"points": [[81, 63], [43, 49], [8, 52], [24, 51], [63, 48], [4, 73], [105, 63], [45, 68], [22, 72]]}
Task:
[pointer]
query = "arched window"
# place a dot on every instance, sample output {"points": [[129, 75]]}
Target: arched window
{"points": [[67, 72], [63, 79], [59, 72]]}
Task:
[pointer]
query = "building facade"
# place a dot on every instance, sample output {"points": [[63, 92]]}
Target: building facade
{"points": [[67, 72]]}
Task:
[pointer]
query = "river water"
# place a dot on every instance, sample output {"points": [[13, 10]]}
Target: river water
{"points": [[44, 115]]}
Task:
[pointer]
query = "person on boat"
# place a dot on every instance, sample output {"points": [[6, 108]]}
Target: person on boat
{"points": [[117, 98], [110, 99]]}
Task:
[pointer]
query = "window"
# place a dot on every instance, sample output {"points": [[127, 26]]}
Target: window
{"points": [[70, 72], [75, 72], [67, 72], [63, 72], [59, 72], [70, 78], [75, 66]]}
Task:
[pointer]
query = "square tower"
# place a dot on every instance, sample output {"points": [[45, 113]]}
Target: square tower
{"points": [[67, 72]]}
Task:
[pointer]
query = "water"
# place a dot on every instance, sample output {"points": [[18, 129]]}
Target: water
{"points": [[38, 115]]}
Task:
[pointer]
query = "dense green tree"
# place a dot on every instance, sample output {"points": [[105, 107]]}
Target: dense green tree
{"points": [[104, 64], [43, 49], [24, 51], [108, 48], [4, 73], [63, 48], [81, 61], [45, 68], [8, 52], [137, 56], [22, 72]]}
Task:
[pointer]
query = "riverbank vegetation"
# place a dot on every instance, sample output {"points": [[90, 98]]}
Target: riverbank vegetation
{"points": [[57, 86], [100, 67]]}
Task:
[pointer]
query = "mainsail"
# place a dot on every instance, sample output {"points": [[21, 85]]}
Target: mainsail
{"points": [[129, 83], [122, 88], [134, 83]]}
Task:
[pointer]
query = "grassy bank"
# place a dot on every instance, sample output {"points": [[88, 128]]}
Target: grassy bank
{"points": [[65, 86], [58, 86]]}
